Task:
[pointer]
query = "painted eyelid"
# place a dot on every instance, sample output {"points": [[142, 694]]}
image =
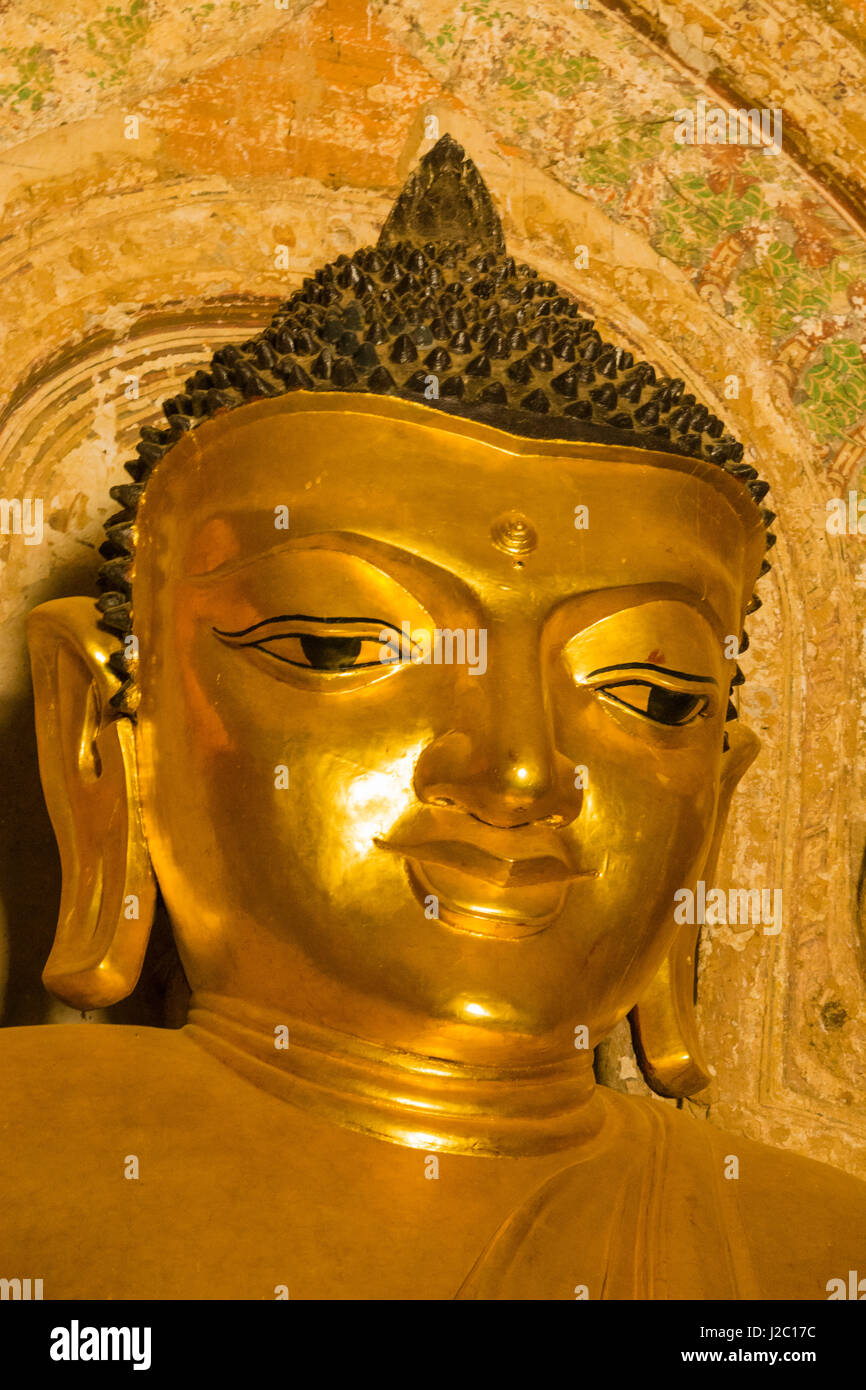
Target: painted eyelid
{"points": [[682, 682], [368, 629], [705, 693], [326, 630]]}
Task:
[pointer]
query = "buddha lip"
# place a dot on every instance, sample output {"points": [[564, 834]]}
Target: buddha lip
{"points": [[470, 859]]}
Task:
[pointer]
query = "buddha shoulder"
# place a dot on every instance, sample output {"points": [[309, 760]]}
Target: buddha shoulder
{"points": [[791, 1224], [674, 1208], [804, 1221], [64, 1080]]}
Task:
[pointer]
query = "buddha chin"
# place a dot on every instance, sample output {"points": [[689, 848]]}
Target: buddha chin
{"points": [[410, 889]]}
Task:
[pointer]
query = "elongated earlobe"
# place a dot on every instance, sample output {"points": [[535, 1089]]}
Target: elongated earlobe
{"points": [[664, 1027], [87, 763]]}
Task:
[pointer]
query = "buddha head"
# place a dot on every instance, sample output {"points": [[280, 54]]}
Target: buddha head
{"points": [[409, 688]]}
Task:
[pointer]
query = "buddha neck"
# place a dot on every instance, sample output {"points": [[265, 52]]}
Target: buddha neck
{"points": [[403, 1097]]}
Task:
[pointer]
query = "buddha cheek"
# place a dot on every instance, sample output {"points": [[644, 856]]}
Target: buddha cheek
{"points": [[340, 807], [650, 831]]}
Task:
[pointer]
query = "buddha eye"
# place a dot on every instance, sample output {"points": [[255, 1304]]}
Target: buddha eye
{"points": [[656, 702], [331, 653], [326, 646], [323, 652]]}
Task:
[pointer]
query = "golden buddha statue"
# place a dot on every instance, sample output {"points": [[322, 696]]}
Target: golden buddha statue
{"points": [[408, 691]]}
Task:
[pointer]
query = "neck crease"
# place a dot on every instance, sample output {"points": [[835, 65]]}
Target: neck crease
{"points": [[400, 1096]]}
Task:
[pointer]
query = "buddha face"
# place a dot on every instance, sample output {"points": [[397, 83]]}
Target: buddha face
{"points": [[467, 843]]}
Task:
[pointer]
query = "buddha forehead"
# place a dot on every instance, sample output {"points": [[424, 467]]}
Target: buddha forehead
{"points": [[402, 485]]}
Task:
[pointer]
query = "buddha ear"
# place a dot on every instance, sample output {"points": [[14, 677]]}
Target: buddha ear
{"points": [[663, 1023], [87, 763]]}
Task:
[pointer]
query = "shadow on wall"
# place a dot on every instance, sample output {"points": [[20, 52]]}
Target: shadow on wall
{"points": [[861, 912], [30, 873]]}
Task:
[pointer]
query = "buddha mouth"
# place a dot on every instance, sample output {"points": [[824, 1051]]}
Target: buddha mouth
{"points": [[479, 863], [488, 894]]}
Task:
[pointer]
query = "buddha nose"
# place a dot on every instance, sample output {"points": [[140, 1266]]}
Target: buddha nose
{"points": [[498, 761]]}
